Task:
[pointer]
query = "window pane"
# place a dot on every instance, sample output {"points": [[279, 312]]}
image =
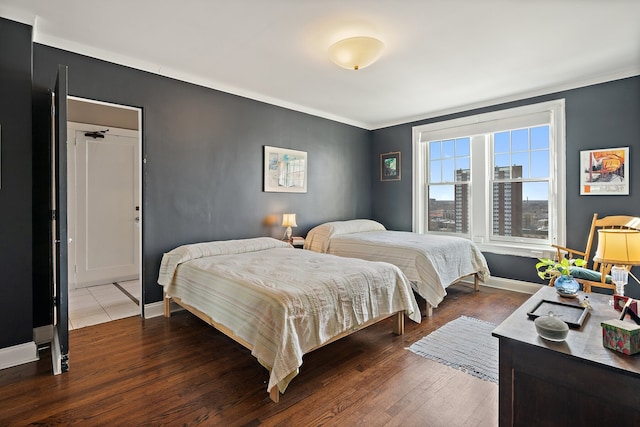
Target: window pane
{"points": [[448, 170], [441, 208], [540, 137], [463, 169], [535, 211], [463, 147], [441, 192], [520, 165], [502, 172], [450, 161], [434, 150], [448, 148], [449, 208], [502, 160], [520, 140], [540, 164], [501, 142], [435, 171], [521, 209]]}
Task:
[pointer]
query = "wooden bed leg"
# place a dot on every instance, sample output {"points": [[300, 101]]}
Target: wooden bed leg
{"points": [[429, 310], [167, 304], [398, 324], [274, 394], [476, 285]]}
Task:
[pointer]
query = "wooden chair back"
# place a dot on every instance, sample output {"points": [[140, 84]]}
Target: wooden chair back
{"points": [[608, 222], [615, 222]]}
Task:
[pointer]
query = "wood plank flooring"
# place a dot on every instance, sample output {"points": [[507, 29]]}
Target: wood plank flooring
{"points": [[180, 371]]}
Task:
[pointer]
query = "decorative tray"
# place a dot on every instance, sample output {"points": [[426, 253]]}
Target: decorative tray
{"points": [[573, 315]]}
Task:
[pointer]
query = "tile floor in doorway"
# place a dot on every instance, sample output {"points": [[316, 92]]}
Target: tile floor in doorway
{"points": [[103, 303]]}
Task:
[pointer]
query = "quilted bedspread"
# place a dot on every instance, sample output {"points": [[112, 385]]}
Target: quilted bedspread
{"points": [[431, 262], [284, 302]]}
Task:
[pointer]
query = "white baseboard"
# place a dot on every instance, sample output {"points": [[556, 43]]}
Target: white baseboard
{"points": [[18, 354], [101, 281], [513, 285], [509, 285], [43, 334], [156, 309]]}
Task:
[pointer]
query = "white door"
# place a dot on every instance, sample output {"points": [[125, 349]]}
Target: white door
{"points": [[107, 213]]}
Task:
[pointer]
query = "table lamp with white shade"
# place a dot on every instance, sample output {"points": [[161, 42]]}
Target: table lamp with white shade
{"points": [[288, 220], [619, 249]]}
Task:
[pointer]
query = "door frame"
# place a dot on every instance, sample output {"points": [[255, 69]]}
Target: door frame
{"points": [[140, 177]]}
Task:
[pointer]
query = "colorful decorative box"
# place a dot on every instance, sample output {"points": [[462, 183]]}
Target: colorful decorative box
{"points": [[621, 336]]}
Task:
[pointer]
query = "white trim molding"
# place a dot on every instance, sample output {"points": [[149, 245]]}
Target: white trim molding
{"points": [[513, 285], [43, 334], [18, 354], [153, 309], [507, 284], [156, 309]]}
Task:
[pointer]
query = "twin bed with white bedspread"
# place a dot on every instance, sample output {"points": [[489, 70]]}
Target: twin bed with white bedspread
{"points": [[430, 262], [281, 302]]}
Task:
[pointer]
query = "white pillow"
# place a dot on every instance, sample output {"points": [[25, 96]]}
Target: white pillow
{"points": [[175, 257], [318, 238]]}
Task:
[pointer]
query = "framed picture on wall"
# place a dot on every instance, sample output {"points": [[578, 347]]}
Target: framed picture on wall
{"points": [[285, 170], [390, 166], [604, 171]]}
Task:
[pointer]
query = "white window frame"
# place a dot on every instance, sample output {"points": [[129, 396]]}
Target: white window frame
{"points": [[479, 128]]}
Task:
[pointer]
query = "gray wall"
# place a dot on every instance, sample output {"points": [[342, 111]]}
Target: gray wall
{"points": [[15, 184], [203, 149], [598, 116]]}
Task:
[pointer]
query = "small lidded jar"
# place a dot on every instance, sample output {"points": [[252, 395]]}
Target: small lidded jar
{"points": [[551, 328]]}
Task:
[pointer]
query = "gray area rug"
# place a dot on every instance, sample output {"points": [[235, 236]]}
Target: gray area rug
{"points": [[465, 344]]}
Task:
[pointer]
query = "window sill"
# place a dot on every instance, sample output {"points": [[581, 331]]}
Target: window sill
{"points": [[530, 251]]}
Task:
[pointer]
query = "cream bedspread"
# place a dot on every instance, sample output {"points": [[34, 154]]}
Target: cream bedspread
{"points": [[283, 301], [431, 262]]}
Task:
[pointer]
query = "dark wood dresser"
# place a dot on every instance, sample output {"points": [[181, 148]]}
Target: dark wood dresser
{"points": [[577, 382]]}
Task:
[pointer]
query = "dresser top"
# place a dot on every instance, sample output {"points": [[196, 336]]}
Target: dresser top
{"points": [[584, 343]]}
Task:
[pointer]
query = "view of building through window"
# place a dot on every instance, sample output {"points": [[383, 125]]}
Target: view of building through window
{"points": [[519, 184], [449, 176]]}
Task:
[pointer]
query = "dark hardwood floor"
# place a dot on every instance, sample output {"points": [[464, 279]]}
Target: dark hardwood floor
{"points": [[180, 371]]}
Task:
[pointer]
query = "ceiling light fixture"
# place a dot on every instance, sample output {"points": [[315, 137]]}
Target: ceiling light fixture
{"points": [[355, 53]]}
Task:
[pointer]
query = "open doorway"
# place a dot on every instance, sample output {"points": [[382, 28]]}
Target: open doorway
{"points": [[104, 147]]}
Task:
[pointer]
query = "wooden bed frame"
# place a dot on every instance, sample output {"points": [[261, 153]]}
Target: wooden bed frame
{"points": [[274, 394]]}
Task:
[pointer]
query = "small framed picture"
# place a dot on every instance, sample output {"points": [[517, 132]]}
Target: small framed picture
{"points": [[390, 166], [604, 171]]}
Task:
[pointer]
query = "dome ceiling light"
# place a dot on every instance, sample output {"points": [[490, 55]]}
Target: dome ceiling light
{"points": [[355, 53]]}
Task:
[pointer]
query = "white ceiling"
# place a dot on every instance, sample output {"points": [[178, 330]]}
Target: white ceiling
{"points": [[440, 56]]}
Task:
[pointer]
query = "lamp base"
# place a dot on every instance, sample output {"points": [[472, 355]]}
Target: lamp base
{"points": [[287, 235]]}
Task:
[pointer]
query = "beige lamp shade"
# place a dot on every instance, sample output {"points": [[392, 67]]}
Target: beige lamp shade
{"points": [[618, 246], [356, 52], [289, 220]]}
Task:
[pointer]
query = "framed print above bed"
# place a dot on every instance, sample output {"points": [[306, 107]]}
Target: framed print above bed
{"points": [[390, 166], [285, 170]]}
